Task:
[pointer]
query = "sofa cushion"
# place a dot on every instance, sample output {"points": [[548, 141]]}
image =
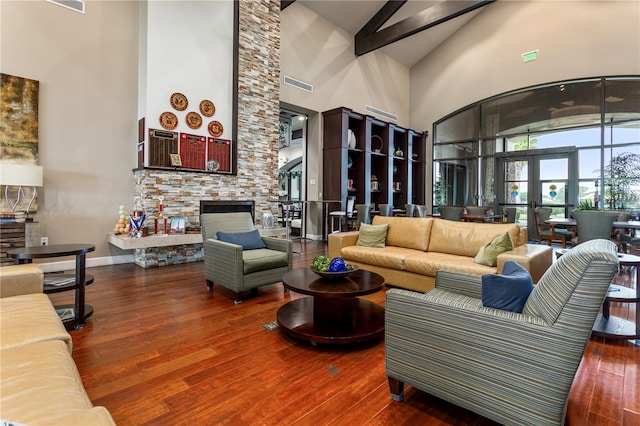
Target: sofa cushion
{"points": [[20, 279], [263, 259], [508, 291], [372, 235], [19, 314], [488, 253], [389, 257], [248, 240], [41, 384], [466, 238], [429, 263], [405, 232]]}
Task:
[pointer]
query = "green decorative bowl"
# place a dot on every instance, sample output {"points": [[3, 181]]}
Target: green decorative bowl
{"points": [[336, 275]]}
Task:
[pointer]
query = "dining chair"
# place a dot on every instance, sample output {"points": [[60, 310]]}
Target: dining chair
{"points": [[451, 212], [410, 210], [385, 209], [510, 214], [363, 215], [476, 210], [343, 215], [622, 236], [549, 232], [592, 225], [421, 210]]}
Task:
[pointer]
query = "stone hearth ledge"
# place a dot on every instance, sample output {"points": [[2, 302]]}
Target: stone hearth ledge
{"points": [[163, 250]]}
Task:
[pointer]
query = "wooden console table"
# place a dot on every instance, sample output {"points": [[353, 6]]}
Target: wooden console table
{"points": [[81, 311]]}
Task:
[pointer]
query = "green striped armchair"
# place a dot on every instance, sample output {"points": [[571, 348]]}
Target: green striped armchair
{"points": [[238, 270], [514, 368]]}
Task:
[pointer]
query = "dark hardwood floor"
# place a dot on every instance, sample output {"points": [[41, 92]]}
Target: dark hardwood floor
{"points": [[161, 349]]}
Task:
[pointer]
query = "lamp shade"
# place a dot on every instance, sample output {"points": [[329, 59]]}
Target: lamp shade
{"points": [[20, 174]]}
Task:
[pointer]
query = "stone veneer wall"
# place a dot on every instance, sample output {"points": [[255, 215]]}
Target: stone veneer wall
{"points": [[257, 144]]}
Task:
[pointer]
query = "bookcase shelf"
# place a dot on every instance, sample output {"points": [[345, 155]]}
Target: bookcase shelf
{"points": [[385, 152]]}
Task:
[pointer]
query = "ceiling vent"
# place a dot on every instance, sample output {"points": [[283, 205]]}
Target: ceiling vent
{"points": [[77, 5], [376, 111], [299, 84]]}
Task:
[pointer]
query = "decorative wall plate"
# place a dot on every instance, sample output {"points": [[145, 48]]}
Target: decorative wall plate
{"points": [[194, 120], [168, 120], [215, 129], [207, 108], [179, 101]]}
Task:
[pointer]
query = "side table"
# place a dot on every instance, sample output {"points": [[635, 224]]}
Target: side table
{"points": [[81, 311], [613, 327]]}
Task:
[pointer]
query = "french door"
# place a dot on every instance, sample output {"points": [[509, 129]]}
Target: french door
{"points": [[539, 178]]}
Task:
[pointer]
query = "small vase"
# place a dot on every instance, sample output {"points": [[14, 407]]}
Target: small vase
{"points": [[267, 220], [351, 139]]}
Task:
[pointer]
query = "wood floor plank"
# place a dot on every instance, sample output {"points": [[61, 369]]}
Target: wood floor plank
{"points": [[161, 349]]}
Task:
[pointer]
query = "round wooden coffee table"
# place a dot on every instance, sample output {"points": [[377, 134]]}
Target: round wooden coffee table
{"points": [[333, 314]]}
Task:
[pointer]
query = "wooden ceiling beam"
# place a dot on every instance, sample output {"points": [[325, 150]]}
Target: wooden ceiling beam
{"points": [[369, 38]]}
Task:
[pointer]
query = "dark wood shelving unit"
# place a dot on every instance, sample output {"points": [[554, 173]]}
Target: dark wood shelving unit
{"points": [[391, 154], [12, 235]]}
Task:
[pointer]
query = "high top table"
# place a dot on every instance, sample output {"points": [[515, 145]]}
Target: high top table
{"points": [[80, 280], [613, 327]]}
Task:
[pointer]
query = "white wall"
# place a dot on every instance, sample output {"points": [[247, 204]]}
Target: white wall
{"points": [[575, 39], [317, 52], [189, 49], [87, 68]]}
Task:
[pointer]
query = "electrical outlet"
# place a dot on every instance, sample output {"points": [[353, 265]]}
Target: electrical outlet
{"points": [[44, 241]]}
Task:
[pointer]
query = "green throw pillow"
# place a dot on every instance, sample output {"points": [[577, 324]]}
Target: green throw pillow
{"points": [[488, 254], [372, 235]]}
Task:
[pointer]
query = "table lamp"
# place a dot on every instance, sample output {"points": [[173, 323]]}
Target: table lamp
{"points": [[20, 175]]}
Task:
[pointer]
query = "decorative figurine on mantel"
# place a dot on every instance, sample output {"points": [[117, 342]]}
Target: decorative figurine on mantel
{"points": [[122, 227], [160, 218], [136, 220]]}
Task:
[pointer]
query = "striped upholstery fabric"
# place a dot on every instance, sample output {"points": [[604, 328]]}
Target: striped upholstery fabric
{"points": [[231, 267], [514, 368]]}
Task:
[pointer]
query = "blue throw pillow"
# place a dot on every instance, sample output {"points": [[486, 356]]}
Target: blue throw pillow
{"points": [[508, 291], [248, 240]]}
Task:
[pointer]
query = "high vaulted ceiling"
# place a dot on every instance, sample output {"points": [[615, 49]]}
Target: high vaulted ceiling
{"points": [[423, 24]]}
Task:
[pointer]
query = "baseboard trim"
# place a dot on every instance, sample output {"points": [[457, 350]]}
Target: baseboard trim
{"points": [[69, 265]]}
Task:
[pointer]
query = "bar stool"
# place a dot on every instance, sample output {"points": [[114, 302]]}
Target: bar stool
{"points": [[343, 216]]}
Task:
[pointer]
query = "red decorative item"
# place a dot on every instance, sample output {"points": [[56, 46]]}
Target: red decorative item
{"points": [[193, 151], [220, 151]]}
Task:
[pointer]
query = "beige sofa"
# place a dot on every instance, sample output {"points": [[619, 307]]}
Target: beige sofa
{"points": [[40, 382], [416, 248]]}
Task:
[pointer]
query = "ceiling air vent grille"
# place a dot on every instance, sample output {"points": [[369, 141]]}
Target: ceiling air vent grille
{"points": [[77, 5], [387, 115], [299, 84]]}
